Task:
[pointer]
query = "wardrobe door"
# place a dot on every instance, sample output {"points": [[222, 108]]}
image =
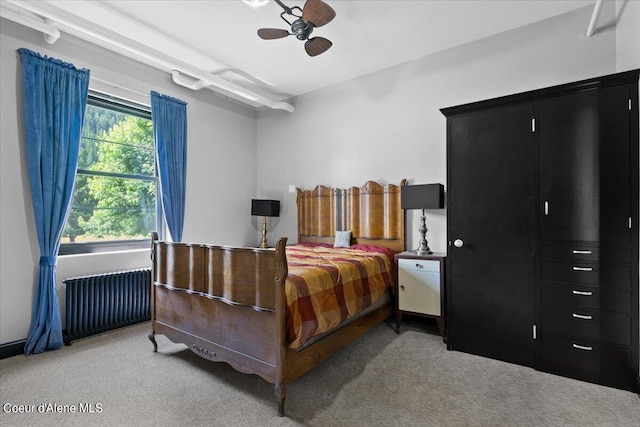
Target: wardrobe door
{"points": [[588, 324], [491, 232], [584, 172]]}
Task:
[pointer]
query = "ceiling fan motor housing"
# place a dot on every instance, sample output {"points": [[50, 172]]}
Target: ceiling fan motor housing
{"points": [[301, 29]]}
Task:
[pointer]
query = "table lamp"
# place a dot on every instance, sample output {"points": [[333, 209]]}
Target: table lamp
{"points": [[424, 196], [265, 208]]}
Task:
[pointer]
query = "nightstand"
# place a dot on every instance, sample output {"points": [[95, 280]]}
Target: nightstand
{"points": [[420, 287]]}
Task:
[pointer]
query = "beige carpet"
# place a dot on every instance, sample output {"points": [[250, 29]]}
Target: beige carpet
{"points": [[382, 379]]}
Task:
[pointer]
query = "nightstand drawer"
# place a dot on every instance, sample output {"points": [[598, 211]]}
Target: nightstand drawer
{"points": [[419, 265], [586, 324]]}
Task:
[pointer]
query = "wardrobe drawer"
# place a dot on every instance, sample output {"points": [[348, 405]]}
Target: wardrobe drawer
{"points": [[577, 252], [588, 273], [583, 296], [586, 357], [587, 324]]}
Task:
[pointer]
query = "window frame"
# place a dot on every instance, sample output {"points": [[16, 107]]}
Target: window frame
{"points": [[98, 99]]}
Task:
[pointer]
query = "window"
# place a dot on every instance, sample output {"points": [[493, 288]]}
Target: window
{"points": [[114, 204]]}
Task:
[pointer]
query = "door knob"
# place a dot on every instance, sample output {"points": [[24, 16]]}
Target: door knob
{"points": [[458, 243]]}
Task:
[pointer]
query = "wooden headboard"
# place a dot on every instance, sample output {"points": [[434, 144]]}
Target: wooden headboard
{"points": [[372, 213]]}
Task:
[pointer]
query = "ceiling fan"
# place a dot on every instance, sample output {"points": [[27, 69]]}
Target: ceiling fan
{"points": [[315, 13]]}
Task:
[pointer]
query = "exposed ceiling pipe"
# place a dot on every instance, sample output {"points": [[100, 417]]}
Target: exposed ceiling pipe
{"points": [[51, 38], [134, 50], [594, 18], [178, 78], [46, 27], [190, 84]]}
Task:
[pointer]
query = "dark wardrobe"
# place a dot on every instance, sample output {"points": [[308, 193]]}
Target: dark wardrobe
{"points": [[542, 210]]}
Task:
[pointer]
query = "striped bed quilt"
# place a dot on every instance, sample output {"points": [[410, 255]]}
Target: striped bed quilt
{"points": [[327, 286]]}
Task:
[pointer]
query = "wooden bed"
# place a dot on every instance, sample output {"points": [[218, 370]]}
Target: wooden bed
{"points": [[227, 304]]}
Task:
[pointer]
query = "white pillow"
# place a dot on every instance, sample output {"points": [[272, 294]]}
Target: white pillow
{"points": [[343, 239]]}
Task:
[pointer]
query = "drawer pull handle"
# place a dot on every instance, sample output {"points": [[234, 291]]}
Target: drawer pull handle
{"points": [[419, 266], [582, 268], [402, 287], [585, 293], [582, 316], [579, 252], [582, 347]]}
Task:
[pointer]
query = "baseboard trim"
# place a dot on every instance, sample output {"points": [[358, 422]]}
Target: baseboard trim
{"points": [[13, 348]]}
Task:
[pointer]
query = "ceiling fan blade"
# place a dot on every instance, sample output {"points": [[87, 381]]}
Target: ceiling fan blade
{"points": [[317, 45], [272, 33], [317, 13]]}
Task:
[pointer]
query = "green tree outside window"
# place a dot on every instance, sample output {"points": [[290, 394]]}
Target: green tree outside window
{"points": [[116, 185]]}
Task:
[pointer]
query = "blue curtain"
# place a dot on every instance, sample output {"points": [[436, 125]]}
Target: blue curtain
{"points": [[169, 116], [55, 96]]}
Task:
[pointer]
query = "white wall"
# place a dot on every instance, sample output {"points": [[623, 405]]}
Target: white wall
{"points": [[387, 125], [221, 177]]}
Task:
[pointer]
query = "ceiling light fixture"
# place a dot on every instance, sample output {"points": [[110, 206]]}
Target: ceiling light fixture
{"points": [[255, 4]]}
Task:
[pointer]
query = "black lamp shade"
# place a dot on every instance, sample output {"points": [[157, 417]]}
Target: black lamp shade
{"points": [[261, 207], [425, 196]]}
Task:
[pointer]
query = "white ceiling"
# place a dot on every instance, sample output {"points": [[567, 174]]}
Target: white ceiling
{"points": [[367, 35]]}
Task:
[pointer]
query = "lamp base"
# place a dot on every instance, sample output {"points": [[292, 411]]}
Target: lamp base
{"points": [[422, 250], [263, 241], [423, 246]]}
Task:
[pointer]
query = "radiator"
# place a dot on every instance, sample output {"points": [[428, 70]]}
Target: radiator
{"points": [[103, 302]]}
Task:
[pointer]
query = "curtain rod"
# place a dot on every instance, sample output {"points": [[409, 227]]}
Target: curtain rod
{"points": [[118, 91], [119, 86]]}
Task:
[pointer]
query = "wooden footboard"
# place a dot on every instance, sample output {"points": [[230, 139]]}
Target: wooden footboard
{"points": [[225, 303], [228, 305]]}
